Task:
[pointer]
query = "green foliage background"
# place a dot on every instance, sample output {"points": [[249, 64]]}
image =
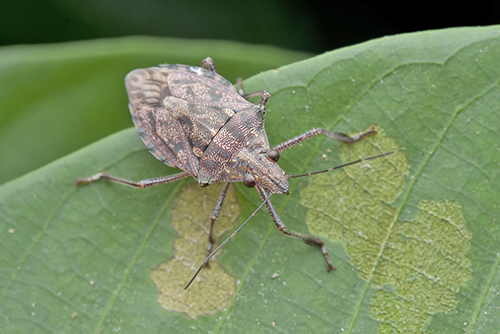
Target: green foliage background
{"points": [[89, 251]]}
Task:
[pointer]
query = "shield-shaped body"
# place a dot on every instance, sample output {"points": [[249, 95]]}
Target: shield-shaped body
{"points": [[194, 119]]}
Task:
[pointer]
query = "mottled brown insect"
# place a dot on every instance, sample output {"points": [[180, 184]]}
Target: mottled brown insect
{"points": [[191, 118]]}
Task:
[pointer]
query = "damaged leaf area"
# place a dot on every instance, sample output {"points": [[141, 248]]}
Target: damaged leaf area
{"points": [[355, 208], [425, 263], [419, 264], [190, 218]]}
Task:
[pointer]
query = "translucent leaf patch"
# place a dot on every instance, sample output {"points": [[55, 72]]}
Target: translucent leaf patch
{"points": [[419, 264]]}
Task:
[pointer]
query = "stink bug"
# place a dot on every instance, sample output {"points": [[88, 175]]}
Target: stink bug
{"points": [[192, 118]]}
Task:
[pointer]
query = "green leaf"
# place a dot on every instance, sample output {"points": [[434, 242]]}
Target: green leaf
{"points": [[414, 235], [58, 98]]}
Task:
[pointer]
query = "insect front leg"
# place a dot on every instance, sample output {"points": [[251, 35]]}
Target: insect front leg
{"points": [[246, 96], [213, 218], [141, 184], [316, 131], [310, 240]]}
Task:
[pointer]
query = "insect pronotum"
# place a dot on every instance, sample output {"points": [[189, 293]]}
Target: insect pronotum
{"points": [[192, 118]]}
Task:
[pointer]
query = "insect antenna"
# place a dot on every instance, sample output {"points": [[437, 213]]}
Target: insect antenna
{"points": [[344, 165], [225, 242]]}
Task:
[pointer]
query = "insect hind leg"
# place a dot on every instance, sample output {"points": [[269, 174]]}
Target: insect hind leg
{"points": [[140, 185]]}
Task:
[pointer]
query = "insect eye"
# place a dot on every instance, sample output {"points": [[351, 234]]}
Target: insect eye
{"points": [[273, 155], [249, 181]]}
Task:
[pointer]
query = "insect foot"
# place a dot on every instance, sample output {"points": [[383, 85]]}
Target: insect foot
{"points": [[191, 118]]}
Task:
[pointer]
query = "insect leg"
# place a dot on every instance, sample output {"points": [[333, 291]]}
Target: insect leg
{"points": [[208, 63], [239, 82], [316, 131], [213, 218], [141, 184], [310, 240]]}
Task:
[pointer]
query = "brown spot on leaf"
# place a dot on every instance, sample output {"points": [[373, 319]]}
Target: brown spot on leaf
{"points": [[214, 288]]}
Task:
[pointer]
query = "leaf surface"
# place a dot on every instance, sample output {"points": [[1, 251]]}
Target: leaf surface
{"points": [[414, 236]]}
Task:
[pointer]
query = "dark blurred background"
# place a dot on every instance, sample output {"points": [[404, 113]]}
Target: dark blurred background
{"points": [[312, 26]]}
